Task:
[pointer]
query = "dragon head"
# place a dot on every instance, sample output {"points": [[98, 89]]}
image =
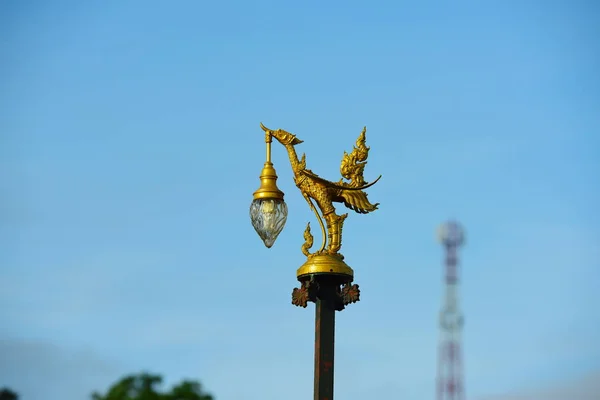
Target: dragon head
{"points": [[282, 136]]}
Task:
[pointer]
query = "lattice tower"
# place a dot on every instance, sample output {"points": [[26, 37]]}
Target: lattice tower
{"points": [[450, 367]]}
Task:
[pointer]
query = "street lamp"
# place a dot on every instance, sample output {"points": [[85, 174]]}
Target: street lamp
{"points": [[325, 278]]}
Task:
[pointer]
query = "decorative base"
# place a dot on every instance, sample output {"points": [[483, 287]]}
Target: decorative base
{"points": [[319, 287], [325, 264]]}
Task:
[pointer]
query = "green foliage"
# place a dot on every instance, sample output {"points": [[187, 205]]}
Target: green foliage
{"points": [[145, 387], [7, 394]]}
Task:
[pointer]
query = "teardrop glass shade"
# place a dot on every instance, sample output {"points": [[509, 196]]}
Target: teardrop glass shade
{"points": [[268, 218]]}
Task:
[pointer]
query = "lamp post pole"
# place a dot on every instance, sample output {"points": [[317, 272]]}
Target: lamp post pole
{"points": [[325, 279], [325, 308]]}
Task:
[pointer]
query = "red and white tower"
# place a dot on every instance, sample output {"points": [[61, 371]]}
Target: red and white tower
{"points": [[450, 369]]}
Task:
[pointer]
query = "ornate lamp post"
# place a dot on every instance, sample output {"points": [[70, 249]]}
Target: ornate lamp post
{"points": [[325, 278]]}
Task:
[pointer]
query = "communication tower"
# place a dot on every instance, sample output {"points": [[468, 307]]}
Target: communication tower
{"points": [[450, 368]]}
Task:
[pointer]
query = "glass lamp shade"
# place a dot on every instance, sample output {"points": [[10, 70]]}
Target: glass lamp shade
{"points": [[268, 218]]}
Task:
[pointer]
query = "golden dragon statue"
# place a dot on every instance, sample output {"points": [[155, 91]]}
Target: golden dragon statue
{"points": [[324, 193]]}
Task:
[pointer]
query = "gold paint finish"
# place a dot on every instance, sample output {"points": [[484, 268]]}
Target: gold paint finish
{"points": [[325, 264], [268, 184], [314, 189], [268, 177]]}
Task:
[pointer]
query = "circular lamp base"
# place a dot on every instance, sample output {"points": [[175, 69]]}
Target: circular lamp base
{"points": [[325, 264]]}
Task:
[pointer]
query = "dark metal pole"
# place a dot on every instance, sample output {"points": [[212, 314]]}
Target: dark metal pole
{"points": [[330, 293], [325, 307]]}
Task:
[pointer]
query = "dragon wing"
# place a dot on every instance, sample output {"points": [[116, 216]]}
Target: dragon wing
{"points": [[353, 197], [357, 200]]}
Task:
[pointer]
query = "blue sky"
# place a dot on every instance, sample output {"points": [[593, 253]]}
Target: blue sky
{"points": [[130, 148]]}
